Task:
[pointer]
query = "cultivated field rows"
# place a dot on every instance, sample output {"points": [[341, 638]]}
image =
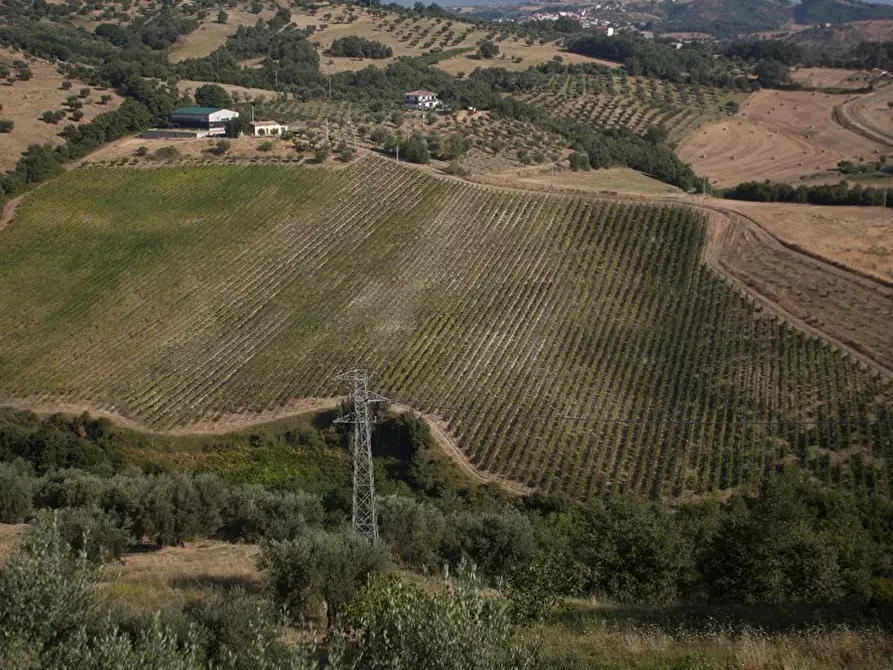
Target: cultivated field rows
{"points": [[638, 103], [569, 343]]}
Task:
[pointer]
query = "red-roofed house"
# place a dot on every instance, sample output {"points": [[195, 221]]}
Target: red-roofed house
{"points": [[421, 100]]}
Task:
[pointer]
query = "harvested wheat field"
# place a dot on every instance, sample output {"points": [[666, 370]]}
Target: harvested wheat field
{"points": [[777, 135], [826, 77], [853, 311], [24, 102], [871, 115], [860, 238]]}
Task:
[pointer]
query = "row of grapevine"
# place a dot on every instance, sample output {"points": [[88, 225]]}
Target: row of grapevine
{"points": [[571, 344]]}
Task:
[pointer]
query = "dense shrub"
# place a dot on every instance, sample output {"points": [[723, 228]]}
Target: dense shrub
{"points": [[318, 568], [359, 47]]}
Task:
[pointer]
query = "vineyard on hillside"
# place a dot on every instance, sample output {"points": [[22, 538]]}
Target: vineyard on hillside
{"points": [[614, 100], [573, 344]]}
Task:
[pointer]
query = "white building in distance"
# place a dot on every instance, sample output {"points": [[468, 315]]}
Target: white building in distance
{"points": [[421, 100]]}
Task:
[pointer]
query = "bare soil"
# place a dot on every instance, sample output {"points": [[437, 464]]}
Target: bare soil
{"points": [[777, 135], [24, 101], [826, 77]]}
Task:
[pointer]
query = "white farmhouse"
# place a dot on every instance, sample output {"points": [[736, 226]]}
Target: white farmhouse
{"points": [[421, 100]]}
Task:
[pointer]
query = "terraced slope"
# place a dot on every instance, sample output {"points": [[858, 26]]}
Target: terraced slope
{"points": [[572, 344]]}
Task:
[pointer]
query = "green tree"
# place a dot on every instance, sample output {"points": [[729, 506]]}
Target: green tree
{"points": [[6, 126], [488, 49], [415, 150], [454, 147], [222, 16], [212, 95], [16, 491], [320, 567], [634, 551], [39, 162]]}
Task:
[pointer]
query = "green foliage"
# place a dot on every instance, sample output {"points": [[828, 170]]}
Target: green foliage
{"points": [[488, 49], [358, 47], [415, 149], [496, 541], [824, 194], [212, 95], [265, 146], [579, 161], [634, 553], [6, 126], [400, 627], [321, 154], [320, 567], [16, 491], [541, 585], [222, 16], [454, 147], [414, 531], [38, 163]]}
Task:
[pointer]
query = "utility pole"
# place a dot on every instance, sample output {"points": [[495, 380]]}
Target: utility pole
{"points": [[398, 153], [364, 520], [327, 130]]}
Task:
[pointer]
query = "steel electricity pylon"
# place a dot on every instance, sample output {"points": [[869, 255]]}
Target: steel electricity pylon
{"points": [[364, 520]]}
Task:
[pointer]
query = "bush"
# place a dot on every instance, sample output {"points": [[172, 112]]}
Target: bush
{"points": [[414, 531], [84, 92], [51, 116], [320, 567], [415, 150], [400, 627], [321, 155], [6, 126], [359, 47], [222, 16], [16, 491], [142, 151], [265, 146], [579, 161], [221, 148]]}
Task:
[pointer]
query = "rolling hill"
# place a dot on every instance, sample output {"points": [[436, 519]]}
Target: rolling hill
{"points": [[568, 343]]}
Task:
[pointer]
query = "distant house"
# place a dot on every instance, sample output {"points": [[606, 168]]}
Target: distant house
{"points": [[203, 120], [421, 100], [259, 128]]}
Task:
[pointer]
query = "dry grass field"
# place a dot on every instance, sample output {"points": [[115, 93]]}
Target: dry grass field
{"points": [[9, 537], [871, 115], [612, 180], [826, 77], [177, 575], [858, 237], [406, 38], [24, 101], [777, 135], [211, 34]]}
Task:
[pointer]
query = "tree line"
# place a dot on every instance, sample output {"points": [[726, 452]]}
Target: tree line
{"points": [[790, 542], [824, 194]]}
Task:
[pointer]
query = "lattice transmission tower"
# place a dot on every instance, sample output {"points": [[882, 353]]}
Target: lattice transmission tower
{"points": [[364, 520]]}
